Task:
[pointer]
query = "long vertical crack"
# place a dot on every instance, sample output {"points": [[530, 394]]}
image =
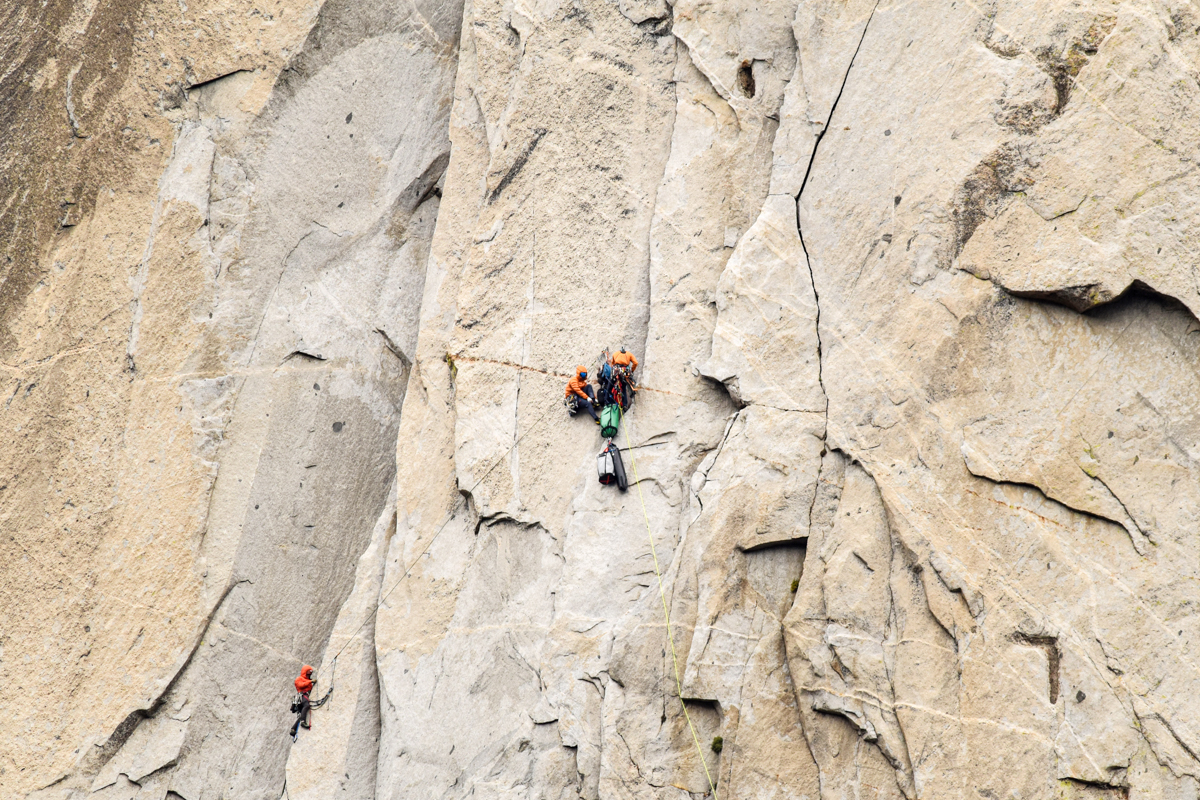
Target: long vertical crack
{"points": [[803, 183], [817, 326], [905, 776]]}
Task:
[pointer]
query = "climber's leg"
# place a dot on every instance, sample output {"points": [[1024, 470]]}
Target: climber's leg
{"points": [[589, 405]]}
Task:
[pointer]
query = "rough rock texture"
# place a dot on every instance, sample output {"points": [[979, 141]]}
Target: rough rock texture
{"points": [[205, 372], [289, 296]]}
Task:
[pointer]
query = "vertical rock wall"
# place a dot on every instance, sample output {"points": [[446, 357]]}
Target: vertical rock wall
{"points": [[912, 460], [230, 350]]}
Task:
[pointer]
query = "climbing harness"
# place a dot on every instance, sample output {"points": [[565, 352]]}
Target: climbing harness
{"points": [[667, 617], [298, 700]]}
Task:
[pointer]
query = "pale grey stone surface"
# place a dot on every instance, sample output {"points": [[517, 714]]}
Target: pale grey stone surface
{"points": [[912, 462]]}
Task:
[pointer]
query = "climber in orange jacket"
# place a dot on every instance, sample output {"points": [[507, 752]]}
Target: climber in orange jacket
{"points": [[304, 685], [623, 365], [624, 359], [579, 388]]}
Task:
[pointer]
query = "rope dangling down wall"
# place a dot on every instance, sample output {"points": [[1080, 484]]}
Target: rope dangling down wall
{"points": [[462, 497], [649, 533], [662, 593]]}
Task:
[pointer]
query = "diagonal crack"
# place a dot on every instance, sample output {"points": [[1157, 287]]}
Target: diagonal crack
{"points": [[1124, 508], [998, 480], [829, 118], [1142, 718]]}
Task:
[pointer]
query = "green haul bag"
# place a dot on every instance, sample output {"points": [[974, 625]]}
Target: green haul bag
{"points": [[610, 420]]}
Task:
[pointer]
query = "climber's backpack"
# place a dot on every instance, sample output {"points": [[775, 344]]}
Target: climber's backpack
{"points": [[610, 467], [606, 373], [610, 420]]}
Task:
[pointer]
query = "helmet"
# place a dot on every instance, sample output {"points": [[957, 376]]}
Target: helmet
{"points": [[583, 375], [622, 349]]}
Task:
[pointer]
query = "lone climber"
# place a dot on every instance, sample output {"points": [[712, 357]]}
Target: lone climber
{"points": [[304, 685], [580, 390]]}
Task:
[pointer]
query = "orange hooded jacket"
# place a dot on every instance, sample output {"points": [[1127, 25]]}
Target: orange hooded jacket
{"points": [[576, 384], [304, 683], [623, 360]]}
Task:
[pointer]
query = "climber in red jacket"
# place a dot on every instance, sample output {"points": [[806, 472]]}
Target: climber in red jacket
{"points": [[304, 685]]}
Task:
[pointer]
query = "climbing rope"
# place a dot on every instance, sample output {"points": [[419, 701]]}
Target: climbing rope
{"points": [[332, 675], [629, 448], [662, 593]]}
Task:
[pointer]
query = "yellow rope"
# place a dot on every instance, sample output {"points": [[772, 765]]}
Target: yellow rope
{"points": [[667, 616]]}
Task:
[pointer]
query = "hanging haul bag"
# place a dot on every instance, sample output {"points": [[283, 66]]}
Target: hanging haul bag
{"points": [[610, 467], [610, 420]]}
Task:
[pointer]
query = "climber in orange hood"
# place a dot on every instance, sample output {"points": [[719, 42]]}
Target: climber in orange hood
{"points": [[582, 391], [304, 685]]}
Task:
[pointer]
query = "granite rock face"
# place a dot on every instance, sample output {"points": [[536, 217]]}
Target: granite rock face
{"points": [[290, 296]]}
